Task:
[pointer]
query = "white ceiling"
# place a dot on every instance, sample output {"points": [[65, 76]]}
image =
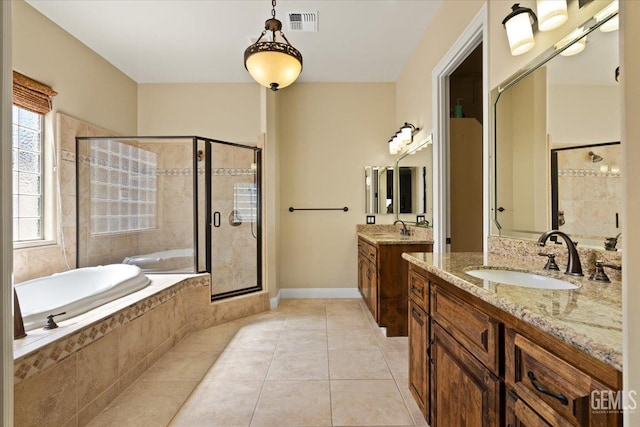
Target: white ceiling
{"points": [[178, 41]]}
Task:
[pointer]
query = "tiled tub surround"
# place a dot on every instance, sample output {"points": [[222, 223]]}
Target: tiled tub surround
{"points": [[68, 375], [588, 318]]}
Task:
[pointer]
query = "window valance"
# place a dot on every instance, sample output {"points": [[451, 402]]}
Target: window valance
{"points": [[31, 94]]}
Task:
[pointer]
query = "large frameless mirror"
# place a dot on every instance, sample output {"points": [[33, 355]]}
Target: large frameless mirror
{"points": [[560, 109]]}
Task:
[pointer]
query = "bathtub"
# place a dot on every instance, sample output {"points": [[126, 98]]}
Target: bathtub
{"points": [[172, 260], [76, 291]]}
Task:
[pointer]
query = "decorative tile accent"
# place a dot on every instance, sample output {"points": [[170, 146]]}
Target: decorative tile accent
{"points": [[67, 155], [32, 364]]}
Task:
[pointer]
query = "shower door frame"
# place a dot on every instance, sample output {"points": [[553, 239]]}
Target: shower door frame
{"points": [[208, 203], [209, 216]]}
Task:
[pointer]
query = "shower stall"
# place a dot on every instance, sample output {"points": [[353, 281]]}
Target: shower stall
{"points": [[171, 205]]}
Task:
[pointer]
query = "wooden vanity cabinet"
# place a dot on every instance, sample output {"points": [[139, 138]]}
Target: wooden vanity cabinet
{"points": [[382, 277], [555, 389], [488, 368], [464, 391], [419, 341]]}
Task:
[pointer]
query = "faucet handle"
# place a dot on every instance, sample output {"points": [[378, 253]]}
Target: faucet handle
{"points": [[551, 261], [599, 274]]}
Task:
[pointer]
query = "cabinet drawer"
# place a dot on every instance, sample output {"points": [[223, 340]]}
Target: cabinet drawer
{"points": [[473, 328], [368, 250], [551, 386], [419, 290], [519, 414]]}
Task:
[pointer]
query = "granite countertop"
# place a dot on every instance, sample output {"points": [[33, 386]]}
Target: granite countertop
{"points": [[588, 318], [390, 235]]}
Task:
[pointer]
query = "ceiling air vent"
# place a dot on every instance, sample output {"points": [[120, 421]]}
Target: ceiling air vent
{"points": [[302, 21]]}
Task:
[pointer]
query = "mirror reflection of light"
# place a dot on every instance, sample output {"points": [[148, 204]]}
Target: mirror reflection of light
{"points": [[577, 46], [612, 24]]}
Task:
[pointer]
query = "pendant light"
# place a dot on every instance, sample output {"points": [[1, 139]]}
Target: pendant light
{"points": [[273, 64], [551, 14], [519, 26]]}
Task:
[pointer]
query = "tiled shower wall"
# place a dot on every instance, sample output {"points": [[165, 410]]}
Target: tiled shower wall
{"points": [[590, 197]]}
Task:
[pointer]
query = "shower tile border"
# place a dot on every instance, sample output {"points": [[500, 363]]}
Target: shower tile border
{"points": [[38, 360]]}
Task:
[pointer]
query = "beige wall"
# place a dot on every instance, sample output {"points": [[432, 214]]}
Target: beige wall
{"points": [[88, 87], [630, 71], [327, 134], [413, 88], [223, 111], [584, 114]]}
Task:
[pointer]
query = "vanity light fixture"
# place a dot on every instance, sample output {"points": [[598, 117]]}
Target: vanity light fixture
{"points": [[403, 138], [551, 14], [273, 64], [519, 25], [612, 24], [576, 47]]}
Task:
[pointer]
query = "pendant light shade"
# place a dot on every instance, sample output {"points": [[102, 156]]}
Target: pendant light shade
{"points": [[273, 64], [551, 14], [519, 29]]}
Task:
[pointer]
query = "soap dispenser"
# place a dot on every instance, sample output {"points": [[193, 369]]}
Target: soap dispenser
{"points": [[457, 109]]}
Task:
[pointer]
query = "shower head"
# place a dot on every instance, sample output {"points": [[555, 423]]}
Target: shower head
{"points": [[594, 157]]}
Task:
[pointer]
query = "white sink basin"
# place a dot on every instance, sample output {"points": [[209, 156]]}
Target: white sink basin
{"points": [[519, 278]]}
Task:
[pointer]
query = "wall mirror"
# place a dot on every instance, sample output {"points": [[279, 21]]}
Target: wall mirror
{"points": [[407, 177], [562, 108]]}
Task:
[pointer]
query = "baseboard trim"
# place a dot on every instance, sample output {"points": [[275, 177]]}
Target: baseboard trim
{"points": [[275, 301], [319, 293]]}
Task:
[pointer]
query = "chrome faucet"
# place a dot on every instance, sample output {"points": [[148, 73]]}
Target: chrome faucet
{"points": [[573, 263], [405, 230]]}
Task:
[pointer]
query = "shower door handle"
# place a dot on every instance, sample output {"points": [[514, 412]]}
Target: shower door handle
{"points": [[216, 219]]}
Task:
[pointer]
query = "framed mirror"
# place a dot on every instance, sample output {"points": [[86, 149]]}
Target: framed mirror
{"points": [[557, 104]]}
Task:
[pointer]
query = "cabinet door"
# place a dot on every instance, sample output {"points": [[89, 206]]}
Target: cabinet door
{"points": [[518, 414], [362, 261], [463, 391], [373, 290], [419, 357]]}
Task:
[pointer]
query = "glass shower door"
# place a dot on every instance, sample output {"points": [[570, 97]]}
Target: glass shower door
{"points": [[235, 227]]}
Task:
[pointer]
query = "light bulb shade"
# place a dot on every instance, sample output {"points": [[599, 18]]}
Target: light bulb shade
{"points": [[612, 24], [519, 29], [575, 46], [551, 14], [273, 64], [405, 135]]}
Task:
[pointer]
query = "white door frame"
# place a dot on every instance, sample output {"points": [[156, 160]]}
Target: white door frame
{"points": [[6, 241], [476, 32]]}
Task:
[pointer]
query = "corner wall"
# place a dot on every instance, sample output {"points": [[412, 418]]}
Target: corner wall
{"points": [[327, 134], [89, 89]]}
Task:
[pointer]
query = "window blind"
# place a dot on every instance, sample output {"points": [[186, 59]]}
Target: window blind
{"points": [[31, 94]]}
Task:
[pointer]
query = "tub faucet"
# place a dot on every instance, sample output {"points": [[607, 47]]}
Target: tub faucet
{"points": [[573, 263], [404, 231]]}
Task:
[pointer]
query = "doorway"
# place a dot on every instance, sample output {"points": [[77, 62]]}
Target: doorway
{"points": [[465, 154], [474, 37]]}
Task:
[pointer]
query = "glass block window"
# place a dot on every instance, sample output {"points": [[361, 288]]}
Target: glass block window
{"points": [[27, 166], [123, 187], [245, 201]]}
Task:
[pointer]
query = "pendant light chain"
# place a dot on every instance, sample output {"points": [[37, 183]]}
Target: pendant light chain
{"points": [[273, 9]]}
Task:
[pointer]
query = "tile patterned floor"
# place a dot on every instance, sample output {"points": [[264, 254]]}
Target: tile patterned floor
{"points": [[320, 362]]}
